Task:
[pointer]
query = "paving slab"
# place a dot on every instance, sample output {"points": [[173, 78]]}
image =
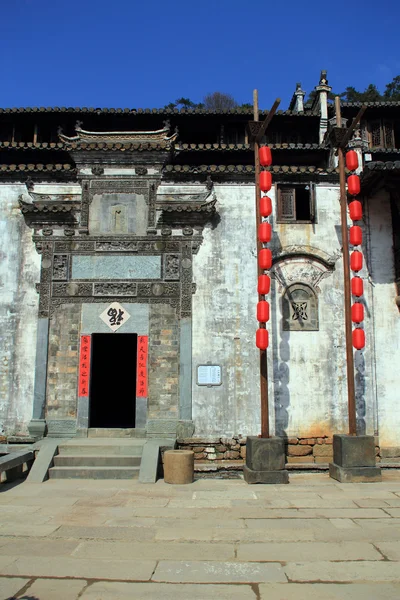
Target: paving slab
{"points": [[321, 591], [197, 533], [391, 550], [37, 566], [158, 551], [166, 591], [346, 572], [28, 547], [308, 551], [139, 534], [217, 572], [55, 589], [9, 587]]}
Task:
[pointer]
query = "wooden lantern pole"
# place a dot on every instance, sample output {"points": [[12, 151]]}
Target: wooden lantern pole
{"points": [[263, 353], [346, 264]]}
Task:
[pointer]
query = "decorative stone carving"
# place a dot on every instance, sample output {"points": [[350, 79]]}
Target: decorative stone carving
{"points": [[60, 267], [186, 280], [69, 232], [166, 231], [141, 171], [97, 170], [72, 289], [171, 267], [187, 231], [117, 288], [299, 308], [116, 246], [300, 269], [85, 208], [47, 231]]}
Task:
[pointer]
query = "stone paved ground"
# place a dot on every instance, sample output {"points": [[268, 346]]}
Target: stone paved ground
{"points": [[103, 540]]}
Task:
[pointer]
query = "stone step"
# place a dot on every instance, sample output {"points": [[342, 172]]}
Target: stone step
{"points": [[94, 472], [134, 448], [103, 432], [87, 460]]}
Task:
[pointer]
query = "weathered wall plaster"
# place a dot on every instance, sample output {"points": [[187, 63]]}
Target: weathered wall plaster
{"points": [[19, 272]]}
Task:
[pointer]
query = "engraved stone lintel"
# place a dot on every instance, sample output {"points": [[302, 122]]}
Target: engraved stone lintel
{"points": [[116, 288]]}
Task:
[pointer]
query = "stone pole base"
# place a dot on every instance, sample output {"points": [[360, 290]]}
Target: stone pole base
{"points": [[354, 459], [37, 428], [265, 461]]}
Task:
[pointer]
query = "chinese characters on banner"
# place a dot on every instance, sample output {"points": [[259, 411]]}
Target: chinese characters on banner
{"points": [[84, 366], [141, 378]]}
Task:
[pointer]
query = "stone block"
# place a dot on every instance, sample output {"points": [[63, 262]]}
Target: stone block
{"points": [[232, 454], [273, 477], [217, 572], [392, 452], [220, 448], [300, 459], [61, 428], [323, 459], [353, 451], [184, 429], [324, 450], [265, 454], [37, 428], [162, 426], [299, 450], [243, 451], [293, 441], [355, 474]]}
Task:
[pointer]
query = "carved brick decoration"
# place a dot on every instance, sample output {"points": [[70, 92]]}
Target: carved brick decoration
{"points": [[171, 267], [116, 246], [45, 279], [60, 267], [72, 289], [300, 308], [186, 280], [84, 224], [115, 288], [141, 171]]}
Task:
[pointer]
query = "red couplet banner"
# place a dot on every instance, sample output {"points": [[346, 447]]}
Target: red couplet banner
{"points": [[84, 366], [142, 355]]}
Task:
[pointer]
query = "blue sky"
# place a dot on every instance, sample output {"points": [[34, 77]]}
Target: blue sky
{"points": [[128, 53]]}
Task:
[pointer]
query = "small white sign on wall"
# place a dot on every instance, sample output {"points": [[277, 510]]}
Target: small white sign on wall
{"points": [[209, 375], [115, 316]]}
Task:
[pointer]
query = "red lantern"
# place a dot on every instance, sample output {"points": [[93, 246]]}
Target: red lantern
{"points": [[352, 160], [355, 209], [265, 206], [264, 232], [265, 181], [356, 261], [264, 284], [355, 235], [357, 286], [353, 185], [262, 339], [357, 312], [358, 339], [265, 258], [265, 156], [263, 311]]}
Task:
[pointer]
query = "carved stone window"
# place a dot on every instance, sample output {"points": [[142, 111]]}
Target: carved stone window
{"points": [[296, 204], [300, 308]]}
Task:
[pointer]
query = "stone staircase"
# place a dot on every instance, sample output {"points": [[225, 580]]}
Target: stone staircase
{"points": [[91, 458]]}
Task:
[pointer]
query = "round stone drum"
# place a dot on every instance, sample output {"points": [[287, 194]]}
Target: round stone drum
{"points": [[178, 466]]}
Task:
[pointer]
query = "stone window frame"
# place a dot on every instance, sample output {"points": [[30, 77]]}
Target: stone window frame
{"points": [[297, 324], [289, 214]]}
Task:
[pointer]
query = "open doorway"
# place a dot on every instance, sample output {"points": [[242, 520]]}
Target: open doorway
{"points": [[112, 400]]}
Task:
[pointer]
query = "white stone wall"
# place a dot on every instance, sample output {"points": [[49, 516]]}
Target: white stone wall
{"points": [[19, 272], [307, 369], [384, 334], [225, 271]]}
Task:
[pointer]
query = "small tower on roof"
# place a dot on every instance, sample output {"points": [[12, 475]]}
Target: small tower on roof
{"points": [[297, 101]]}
